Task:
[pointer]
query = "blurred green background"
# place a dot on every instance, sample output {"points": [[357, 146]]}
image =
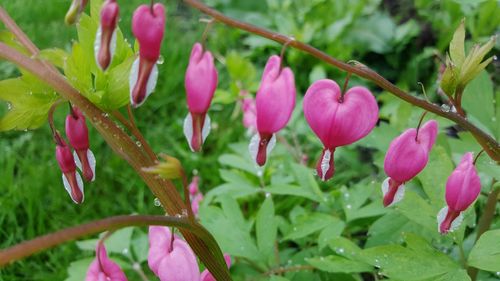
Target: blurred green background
{"points": [[403, 40]]}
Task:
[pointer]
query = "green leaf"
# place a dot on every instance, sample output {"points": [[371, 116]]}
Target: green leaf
{"points": [[486, 253], [28, 103], [306, 179], [457, 45], [339, 264], [55, 56], [329, 233], [435, 175], [118, 242], [478, 100], [266, 228], [417, 261], [308, 224], [449, 81], [426, 215], [293, 190], [78, 269], [238, 162], [117, 94], [240, 69]]}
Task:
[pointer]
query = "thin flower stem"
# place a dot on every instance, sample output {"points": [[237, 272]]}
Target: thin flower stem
{"points": [[489, 144], [477, 156], [50, 117], [344, 88], [420, 124], [204, 36]]}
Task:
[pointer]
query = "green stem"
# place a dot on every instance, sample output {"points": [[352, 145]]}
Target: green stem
{"points": [[489, 144]]}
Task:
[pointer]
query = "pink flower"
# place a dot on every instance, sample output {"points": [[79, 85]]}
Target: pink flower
{"points": [[71, 179], [104, 269], [105, 39], [193, 186], [462, 189], [407, 156], [195, 195], [207, 276], [200, 82], [148, 27], [337, 121], [275, 101], [78, 136], [249, 114], [169, 257]]}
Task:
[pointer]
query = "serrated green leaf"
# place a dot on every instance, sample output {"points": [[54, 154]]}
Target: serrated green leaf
{"points": [[266, 229], [486, 253], [29, 104], [417, 261], [457, 45], [339, 264], [308, 224], [78, 269]]}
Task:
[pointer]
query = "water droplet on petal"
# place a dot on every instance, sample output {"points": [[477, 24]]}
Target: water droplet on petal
{"points": [[157, 202]]}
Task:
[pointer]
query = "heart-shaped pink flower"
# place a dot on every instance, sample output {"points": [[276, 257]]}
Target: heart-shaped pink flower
{"points": [[338, 120]]}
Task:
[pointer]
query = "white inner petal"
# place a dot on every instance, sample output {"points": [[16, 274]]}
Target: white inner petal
{"points": [[132, 79], [399, 195], [385, 186], [271, 144], [77, 160], [455, 224], [91, 159], [207, 126], [253, 146], [79, 182], [97, 45], [188, 130], [153, 78], [325, 163], [112, 47]]}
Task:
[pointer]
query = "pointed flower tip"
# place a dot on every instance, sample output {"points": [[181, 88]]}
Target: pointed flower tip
{"points": [[463, 185], [74, 11]]}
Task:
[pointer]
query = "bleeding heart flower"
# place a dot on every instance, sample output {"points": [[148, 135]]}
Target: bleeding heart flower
{"points": [[462, 189], [104, 269], [170, 257], [200, 82], [75, 10], [78, 136], [148, 26], [407, 156], [207, 276], [71, 179], [338, 120], [275, 101], [105, 39], [249, 112]]}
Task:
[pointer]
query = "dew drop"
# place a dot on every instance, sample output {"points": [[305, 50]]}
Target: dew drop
{"points": [[125, 251], [157, 202], [160, 60], [348, 206], [138, 143]]}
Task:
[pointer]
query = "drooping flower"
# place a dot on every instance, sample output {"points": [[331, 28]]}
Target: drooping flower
{"points": [[75, 10], [275, 101], [105, 39], [148, 26], [78, 136], [170, 257], [407, 156], [207, 276], [337, 120], [200, 82], [71, 179], [104, 269], [462, 189], [249, 112], [195, 195]]}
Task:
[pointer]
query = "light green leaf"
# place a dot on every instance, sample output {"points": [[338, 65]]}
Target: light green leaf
{"points": [[117, 94], [478, 102], [457, 45], [417, 261], [294, 190], [78, 269], [240, 69], [266, 229], [118, 242], [435, 174], [55, 56], [28, 103], [329, 233], [338, 264], [308, 224], [486, 253], [238, 162], [426, 215]]}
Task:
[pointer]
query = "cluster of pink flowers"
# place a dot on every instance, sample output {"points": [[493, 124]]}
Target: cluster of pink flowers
{"points": [[82, 157], [408, 155], [169, 257]]}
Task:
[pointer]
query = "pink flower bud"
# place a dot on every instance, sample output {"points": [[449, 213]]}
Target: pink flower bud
{"points": [[78, 136], [105, 39], [337, 121], [249, 114], [71, 179], [462, 189], [275, 101], [195, 203], [200, 82], [193, 186], [148, 27], [207, 276], [75, 10], [407, 156], [169, 257], [102, 268]]}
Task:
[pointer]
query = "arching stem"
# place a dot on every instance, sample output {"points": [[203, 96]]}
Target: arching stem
{"points": [[420, 124]]}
